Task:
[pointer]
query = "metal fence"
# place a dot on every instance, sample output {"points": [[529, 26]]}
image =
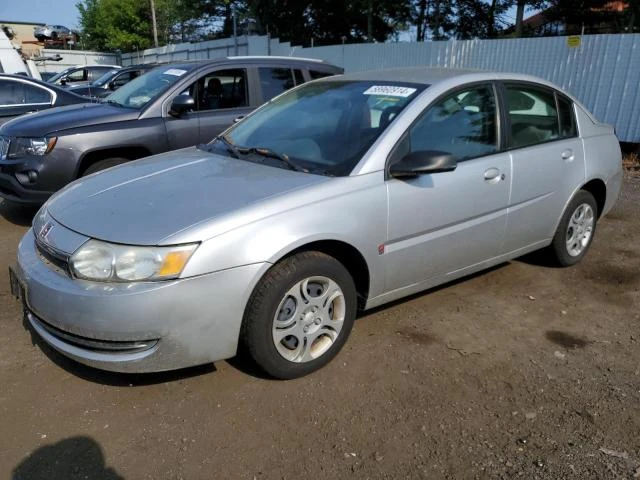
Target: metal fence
{"points": [[70, 58], [602, 71]]}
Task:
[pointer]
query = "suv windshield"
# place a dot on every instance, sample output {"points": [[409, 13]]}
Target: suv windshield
{"points": [[105, 78], [141, 90], [324, 127]]}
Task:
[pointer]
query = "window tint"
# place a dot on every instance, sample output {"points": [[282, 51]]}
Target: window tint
{"points": [[533, 115], [298, 75], [220, 89], [36, 95], [274, 81], [316, 74], [123, 79], [11, 93], [77, 76], [463, 124], [567, 118]]}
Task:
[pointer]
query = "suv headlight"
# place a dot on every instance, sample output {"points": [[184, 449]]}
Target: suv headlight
{"points": [[22, 146], [107, 262]]}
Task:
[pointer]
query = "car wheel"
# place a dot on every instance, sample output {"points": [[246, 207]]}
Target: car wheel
{"points": [[103, 165], [299, 316], [576, 229]]}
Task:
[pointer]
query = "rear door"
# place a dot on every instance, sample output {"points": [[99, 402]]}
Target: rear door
{"points": [[547, 157], [17, 98], [220, 96]]}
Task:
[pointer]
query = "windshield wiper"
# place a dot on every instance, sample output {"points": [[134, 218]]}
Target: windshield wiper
{"points": [[231, 148], [112, 102], [284, 158]]}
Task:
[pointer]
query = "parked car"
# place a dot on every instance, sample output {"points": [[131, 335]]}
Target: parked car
{"points": [[268, 239], [170, 107], [81, 74], [20, 95], [47, 75], [51, 32], [111, 81]]}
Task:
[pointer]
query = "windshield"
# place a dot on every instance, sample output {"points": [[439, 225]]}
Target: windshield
{"points": [[325, 127], [141, 90], [104, 79]]}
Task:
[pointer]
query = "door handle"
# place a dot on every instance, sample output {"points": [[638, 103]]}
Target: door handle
{"points": [[567, 155], [492, 175], [238, 118]]}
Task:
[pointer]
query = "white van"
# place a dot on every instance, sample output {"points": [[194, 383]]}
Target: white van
{"points": [[11, 61]]}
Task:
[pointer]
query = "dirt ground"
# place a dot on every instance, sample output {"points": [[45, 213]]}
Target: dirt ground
{"points": [[524, 371]]}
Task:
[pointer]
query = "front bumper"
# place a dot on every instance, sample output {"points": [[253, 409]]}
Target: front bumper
{"points": [[136, 327], [52, 172]]}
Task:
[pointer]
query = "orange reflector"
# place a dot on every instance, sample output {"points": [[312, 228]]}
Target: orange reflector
{"points": [[174, 263]]}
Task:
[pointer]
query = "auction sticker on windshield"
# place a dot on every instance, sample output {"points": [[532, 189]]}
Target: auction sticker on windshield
{"points": [[175, 71], [389, 90]]}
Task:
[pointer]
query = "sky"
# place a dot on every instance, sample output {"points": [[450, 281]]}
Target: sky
{"points": [[57, 12]]}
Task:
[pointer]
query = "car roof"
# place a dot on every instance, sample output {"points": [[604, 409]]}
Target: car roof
{"points": [[308, 62], [434, 75]]}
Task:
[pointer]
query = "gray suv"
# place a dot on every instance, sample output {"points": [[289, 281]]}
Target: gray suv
{"points": [[172, 106]]}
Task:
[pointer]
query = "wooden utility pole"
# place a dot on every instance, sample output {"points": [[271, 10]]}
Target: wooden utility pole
{"points": [[155, 27]]}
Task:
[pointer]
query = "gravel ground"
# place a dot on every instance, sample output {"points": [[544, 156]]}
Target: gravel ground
{"points": [[524, 371]]}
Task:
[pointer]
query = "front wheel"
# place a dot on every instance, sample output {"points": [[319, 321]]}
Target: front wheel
{"points": [[300, 315], [576, 229]]}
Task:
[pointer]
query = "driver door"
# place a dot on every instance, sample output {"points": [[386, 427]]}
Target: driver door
{"points": [[443, 222], [220, 97]]}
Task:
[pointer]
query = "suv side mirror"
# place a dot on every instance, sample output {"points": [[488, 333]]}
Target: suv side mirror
{"points": [[181, 104], [63, 81], [111, 85], [423, 162]]}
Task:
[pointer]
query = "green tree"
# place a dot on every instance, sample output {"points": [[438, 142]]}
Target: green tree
{"points": [[115, 24]]}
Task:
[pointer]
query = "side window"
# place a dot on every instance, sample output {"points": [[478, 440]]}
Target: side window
{"points": [[220, 89], [36, 95], [314, 74], [533, 115], [298, 75], [463, 124], [274, 81], [77, 76], [122, 79], [11, 93], [567, 118]]}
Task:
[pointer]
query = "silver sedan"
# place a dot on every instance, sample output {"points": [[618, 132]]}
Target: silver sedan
{"points": [[340, 195]]}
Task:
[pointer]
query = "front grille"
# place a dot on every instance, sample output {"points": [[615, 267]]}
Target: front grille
{"points": [[111, 346], [53, 259], [4, 147]]}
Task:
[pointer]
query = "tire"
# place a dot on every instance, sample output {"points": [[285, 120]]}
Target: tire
{"points": [[288, 333], [576, 230], [103, 165]]}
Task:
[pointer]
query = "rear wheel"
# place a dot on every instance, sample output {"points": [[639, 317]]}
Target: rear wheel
{"points": [[576, 229], [300, 315], [103, 165]]}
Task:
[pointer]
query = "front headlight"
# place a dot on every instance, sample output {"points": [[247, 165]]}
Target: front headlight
{"points": [[102, 261], [22, 146]]}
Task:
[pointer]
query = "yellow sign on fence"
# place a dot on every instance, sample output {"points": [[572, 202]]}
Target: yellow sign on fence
{"points": [[573, 41]]}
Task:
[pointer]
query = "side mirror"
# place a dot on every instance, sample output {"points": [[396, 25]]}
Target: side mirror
{"points": [[423, 162], [182, 104], [63, 81], [111, 85]]}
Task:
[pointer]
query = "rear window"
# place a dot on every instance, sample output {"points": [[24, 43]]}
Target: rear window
{"points": [[274, 81]]}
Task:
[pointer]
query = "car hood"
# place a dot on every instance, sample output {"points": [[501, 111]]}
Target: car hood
{"points": [[146, 201], [54, 120]]}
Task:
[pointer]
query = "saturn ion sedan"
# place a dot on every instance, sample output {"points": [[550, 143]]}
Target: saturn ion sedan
{"points": [[340, 195]]}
